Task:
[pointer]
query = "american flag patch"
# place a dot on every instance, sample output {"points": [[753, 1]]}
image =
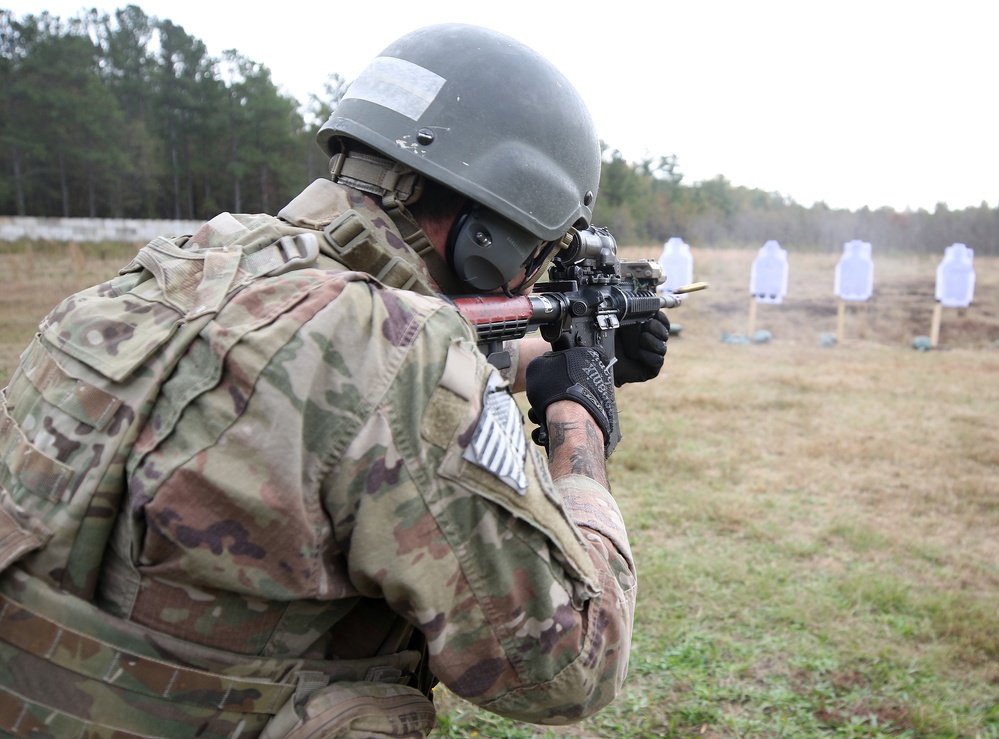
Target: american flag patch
{"points": [[499, 444]]}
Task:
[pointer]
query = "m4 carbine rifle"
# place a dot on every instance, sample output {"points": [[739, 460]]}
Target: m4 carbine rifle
{"points": [[590, 294]]}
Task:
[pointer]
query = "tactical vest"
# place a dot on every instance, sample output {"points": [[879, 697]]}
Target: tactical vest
{"points": [[69, 422]]}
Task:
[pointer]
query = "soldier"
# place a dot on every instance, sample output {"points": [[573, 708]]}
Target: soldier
{"points": [[262, 483]]}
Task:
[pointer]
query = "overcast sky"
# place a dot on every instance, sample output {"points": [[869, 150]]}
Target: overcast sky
{"points": [[877, 103]]}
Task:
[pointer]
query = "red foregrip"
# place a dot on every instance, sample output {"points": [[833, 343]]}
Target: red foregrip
{"points": [[488, 310]]}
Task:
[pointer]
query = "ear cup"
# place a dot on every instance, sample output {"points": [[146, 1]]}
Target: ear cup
{"points": [[486, 250]]}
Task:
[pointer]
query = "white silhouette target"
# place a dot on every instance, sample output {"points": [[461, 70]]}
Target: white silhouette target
{"points": [[768, 277], [956, 277], [677, 263], [855, 272]]}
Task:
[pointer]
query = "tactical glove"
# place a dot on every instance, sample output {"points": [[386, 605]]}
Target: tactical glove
{"points": [[640, 349], [579, 374]]}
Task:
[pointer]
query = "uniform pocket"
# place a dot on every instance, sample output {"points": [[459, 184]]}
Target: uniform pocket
{"points": [[352, 710], [19, 533]]}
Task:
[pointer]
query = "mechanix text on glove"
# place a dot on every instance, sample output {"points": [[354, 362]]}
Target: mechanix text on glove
{"points": [[580, 374]]}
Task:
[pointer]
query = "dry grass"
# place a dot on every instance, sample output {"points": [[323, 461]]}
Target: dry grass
{"points": [[815, 527], [868, 433], [35, 276]]}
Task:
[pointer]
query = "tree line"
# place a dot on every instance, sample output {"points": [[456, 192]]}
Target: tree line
{"points": [[648, 202], [125, 115]]}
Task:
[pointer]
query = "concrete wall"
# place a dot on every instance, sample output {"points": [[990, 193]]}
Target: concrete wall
{"points": [[92, 229]]}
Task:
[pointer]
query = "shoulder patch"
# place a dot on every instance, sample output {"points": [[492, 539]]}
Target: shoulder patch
{"points": [[460, 371], [498, 444]]}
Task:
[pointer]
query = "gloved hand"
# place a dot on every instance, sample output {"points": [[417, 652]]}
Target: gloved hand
{"points": [[579, 374], [640, 349]]}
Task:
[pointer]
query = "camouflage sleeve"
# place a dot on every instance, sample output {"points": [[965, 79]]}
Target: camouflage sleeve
{"points": [[524, 589]]}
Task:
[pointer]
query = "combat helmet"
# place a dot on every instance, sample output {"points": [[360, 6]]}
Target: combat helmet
{"points": [[490, 118]]}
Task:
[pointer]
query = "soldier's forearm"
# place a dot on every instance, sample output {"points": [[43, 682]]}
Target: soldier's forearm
{"points": [[576, 445]]}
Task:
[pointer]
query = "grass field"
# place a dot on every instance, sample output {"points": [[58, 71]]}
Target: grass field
{"points": [[816, 528]]}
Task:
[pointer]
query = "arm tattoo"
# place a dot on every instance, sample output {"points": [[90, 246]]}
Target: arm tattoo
{"points": [[585, 458], [556, 436]]}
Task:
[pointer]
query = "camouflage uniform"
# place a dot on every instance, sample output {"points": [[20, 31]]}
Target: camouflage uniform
{"points": [[320, 461]]}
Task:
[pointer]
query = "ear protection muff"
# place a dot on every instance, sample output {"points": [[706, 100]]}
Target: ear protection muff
{"points": [[486, 250]]}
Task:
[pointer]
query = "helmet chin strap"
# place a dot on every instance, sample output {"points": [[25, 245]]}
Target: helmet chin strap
{"points": [[377, 175], [398, 186], [414, 236]]}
